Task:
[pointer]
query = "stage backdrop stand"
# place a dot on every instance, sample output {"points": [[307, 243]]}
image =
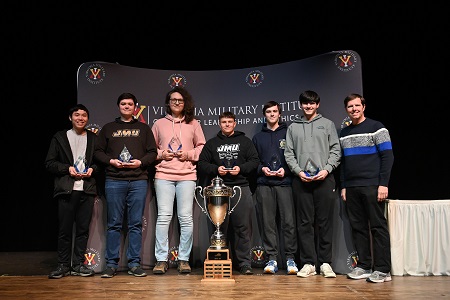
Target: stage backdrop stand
{"points": [[94, 256], [344, 254]]}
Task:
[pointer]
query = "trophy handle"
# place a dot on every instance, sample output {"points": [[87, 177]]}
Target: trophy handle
{"points": [[239, 199], [204, 202]]}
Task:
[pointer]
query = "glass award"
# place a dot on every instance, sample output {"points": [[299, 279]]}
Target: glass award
{"points": [[80, 165], [125, 155], [311, 169], [275, 163], [228, 164], [175, 143]]}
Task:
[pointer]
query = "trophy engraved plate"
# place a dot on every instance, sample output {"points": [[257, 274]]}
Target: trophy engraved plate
{"points": [[218, 254]]}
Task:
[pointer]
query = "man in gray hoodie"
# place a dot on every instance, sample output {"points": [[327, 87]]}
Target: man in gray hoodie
{"points": [[312, 153]]}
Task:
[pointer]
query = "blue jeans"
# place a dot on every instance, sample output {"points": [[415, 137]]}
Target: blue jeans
{"points": [[120, 194], [166, 191]]}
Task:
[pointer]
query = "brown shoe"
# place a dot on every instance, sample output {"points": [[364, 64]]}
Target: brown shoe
{"points": [[183, 266], [160, 268]]}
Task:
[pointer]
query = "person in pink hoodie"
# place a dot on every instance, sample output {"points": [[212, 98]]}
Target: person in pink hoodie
{"points": [[179, 139]]}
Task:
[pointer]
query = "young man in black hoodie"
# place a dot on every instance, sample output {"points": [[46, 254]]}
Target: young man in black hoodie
{"points": [[126, 148], [233, 157], [274, 190]]}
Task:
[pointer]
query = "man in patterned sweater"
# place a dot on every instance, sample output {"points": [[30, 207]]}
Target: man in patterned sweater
{"points": [[366, 164]]}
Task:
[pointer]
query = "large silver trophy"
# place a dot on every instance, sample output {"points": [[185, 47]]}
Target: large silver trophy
{"points": [[216, 205]]}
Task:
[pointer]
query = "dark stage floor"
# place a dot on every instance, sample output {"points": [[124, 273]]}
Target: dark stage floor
{"points": [[27, 263]]}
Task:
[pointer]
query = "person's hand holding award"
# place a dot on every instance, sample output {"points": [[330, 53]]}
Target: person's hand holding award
{"points": [[274, 164], [228, 164], [80, 165], [311, 168], [81, 168], [125, 156], [175, 146]]}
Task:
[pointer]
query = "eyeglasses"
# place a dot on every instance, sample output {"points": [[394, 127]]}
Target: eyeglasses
{"points": [[176, 101]]}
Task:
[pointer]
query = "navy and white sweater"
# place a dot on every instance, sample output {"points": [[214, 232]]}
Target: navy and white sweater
{"points": [[367, 155]]}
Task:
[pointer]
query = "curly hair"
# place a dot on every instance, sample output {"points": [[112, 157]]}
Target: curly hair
{"points": [[189, 106]]}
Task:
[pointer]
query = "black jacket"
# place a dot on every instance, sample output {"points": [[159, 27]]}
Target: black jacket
{"points": [[60, 158]]}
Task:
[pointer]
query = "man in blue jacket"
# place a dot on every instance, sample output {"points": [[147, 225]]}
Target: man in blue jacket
{"points": [[274, 190]]}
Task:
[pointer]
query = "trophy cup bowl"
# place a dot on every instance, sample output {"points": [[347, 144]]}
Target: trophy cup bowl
{"points": [[216, 205]]}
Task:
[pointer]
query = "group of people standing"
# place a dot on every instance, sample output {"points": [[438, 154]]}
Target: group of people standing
{"points": [[293, 165]]}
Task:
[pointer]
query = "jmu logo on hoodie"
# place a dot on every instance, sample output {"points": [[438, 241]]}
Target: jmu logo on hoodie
{"points": [[228, 152]]}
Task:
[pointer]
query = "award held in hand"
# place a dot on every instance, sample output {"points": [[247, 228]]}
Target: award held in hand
{"points": [[311, 169], [175, 143], [275, 163], [229, 164], [125, 155], [80, 165]]}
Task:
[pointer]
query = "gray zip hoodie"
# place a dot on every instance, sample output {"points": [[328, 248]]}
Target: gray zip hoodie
{"points": [[314, 140]]}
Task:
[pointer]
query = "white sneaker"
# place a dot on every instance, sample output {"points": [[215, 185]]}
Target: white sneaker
{"points": [[307, 271], [359, 273], [327, 271], [271, 267]]}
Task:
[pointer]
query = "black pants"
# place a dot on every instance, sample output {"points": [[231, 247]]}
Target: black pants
{"points": [[366, 216], [240, 221], [270, 200], [74, 208], [314, 209]]}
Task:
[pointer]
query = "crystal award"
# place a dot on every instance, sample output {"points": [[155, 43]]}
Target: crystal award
{"points": [[228, 164], [275, 163], [80, 165], [311, 169], [125, 155], [175, 143]]}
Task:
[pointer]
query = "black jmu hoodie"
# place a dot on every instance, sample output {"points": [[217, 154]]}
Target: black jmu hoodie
{"points": [[237, 149]]}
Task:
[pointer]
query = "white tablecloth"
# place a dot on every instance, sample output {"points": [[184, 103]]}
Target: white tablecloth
{"points": [[420, 237]]}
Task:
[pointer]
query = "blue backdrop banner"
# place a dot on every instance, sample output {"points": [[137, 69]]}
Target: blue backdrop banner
{"points": [[332, 75]]}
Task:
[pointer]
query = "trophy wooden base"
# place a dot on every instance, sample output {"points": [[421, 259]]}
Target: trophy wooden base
{"points": [[218, 267]]}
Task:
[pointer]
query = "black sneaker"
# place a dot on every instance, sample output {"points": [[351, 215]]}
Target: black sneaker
{"points": [[60, 272], [137, 271], [246, 270], [109, 272], [82, 270]]}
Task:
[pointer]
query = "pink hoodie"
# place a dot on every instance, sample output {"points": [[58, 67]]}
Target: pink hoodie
{"points": [[191, 137]]}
